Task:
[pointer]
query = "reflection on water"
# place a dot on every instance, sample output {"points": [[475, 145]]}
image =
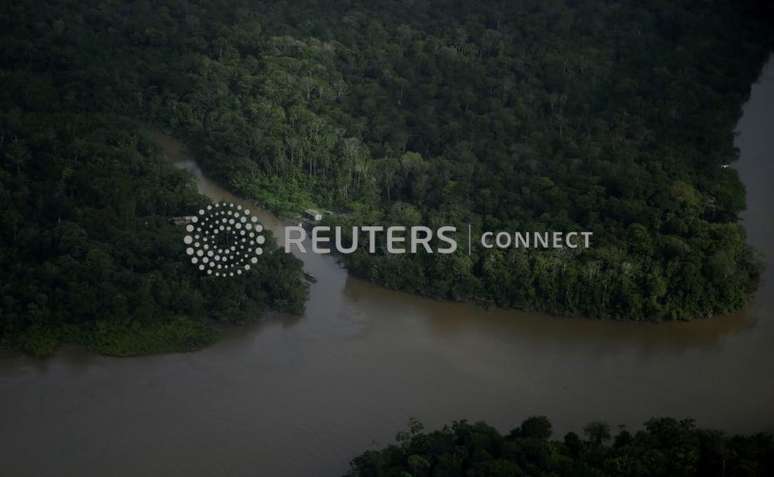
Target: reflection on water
{"points": [[297, 396]]}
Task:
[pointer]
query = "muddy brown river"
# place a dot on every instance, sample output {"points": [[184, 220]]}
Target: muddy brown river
{"points": [[301, 396]]}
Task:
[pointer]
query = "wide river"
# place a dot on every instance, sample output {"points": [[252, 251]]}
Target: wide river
{"points": [[300, 396]]}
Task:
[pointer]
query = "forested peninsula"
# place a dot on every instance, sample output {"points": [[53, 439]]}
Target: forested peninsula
{"points": [[612, 117]]}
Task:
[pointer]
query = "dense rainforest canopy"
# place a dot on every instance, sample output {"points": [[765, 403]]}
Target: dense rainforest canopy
{"points": [[87, 251], [664, 448], [612, 117]]}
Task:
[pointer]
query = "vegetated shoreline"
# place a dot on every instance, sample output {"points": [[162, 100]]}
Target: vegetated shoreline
{"points": [[665, 447]]}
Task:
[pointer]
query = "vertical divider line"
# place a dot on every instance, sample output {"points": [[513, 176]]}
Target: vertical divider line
{"points": [[469, 240]]}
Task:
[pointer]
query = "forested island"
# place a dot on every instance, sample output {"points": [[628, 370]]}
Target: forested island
{"points": [[665, 447], [612, 117]]}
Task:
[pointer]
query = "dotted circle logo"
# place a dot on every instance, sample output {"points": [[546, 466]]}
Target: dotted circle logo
{"points": [[224, 240]]}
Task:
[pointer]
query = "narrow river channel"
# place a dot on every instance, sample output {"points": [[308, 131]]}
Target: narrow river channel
{"points": [[301, 396]]}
